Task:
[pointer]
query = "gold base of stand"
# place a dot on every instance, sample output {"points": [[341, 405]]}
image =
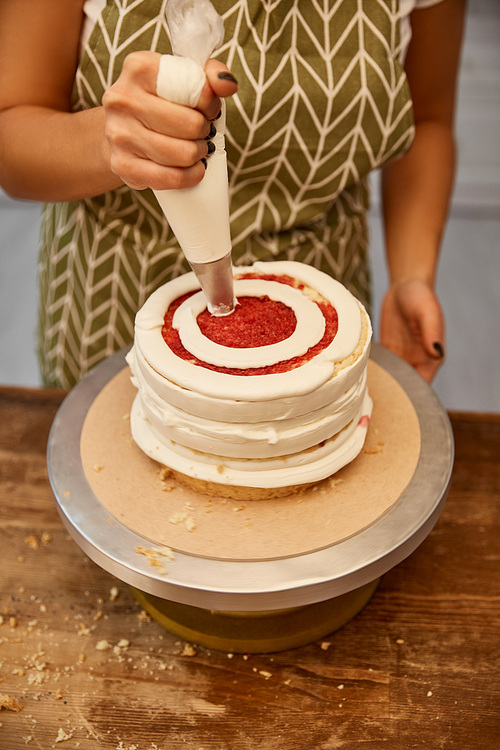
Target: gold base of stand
{"points": [[256, 632]]}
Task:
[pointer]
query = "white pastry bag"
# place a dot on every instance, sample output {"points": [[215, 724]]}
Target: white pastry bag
{"points": [[199, 216]]}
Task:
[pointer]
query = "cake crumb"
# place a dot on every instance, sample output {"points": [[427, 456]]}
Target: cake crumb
{"points": [[334, 481], [371, 450], [98, 468], [165, 473], [152, 558], [188, 650], [32, 541], [164, 551], [143, 616], [190, 523], [10, 704], [265, 674], [103, 645], [63, 736], [325, 645], [114, 593], [122, 645]]}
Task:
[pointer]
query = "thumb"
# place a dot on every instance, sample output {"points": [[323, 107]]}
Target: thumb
{"points": [[220, 78]]}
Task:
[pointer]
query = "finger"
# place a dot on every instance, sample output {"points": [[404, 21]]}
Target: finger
{"points": [[433, 333], [220, 78], [140, 174], [220, 83], [155, 113], [174, 120], [139, 163]]}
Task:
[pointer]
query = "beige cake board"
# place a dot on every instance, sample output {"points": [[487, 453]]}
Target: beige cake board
{"points": [[224, 573]]}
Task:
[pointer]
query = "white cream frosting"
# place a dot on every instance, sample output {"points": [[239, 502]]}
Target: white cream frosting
{"points": [[309, 329], [297, 382], [264, 430]]}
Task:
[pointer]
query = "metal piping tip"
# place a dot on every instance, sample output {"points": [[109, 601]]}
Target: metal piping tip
{"points": [[216, 281]]}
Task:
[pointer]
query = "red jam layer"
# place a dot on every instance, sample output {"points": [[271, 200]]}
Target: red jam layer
{"points": [[256, 321]]}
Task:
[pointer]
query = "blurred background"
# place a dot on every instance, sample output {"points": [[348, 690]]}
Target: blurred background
{"points": [[469, 275]]}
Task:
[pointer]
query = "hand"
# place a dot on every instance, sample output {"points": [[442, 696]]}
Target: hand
{"points": [[412, 325], [155, 143]]}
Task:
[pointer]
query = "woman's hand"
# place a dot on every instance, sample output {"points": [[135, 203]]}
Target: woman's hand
{"points": [[153, 142], [412, 325]]}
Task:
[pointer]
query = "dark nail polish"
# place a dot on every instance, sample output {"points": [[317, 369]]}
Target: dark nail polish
{"points": [[438, 348], [226, 76], [213, 131], [217, 116], [204, 162], [210, 147]]}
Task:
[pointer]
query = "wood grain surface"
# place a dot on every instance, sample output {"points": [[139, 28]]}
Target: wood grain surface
{"points": [[81, 666]]}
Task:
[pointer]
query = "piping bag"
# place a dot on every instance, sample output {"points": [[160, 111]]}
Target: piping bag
{"points": [[199, 216]]}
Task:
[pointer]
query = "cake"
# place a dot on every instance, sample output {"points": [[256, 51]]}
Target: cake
{"points": [[262, 403]]}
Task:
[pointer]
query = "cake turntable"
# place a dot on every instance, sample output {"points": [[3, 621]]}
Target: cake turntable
{"points": [[266, 575]]}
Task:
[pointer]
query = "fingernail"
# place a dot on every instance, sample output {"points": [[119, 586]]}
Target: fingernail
{"points": [[227, 76], [438, 348], [212, 132], [217, 116], [204, 162], [210, 147]]}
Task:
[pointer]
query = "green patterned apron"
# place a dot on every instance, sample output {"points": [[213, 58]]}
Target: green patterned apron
{"points": [[322, 101]]}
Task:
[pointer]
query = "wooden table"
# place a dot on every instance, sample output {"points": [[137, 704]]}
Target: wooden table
{"points": [[87, 669]]}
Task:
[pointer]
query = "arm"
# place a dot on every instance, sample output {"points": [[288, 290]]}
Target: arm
{"points": [[417, 188], [48, 152]]}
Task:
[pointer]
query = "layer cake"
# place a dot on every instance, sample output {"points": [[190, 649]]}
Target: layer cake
{"points": [[261, 403]]}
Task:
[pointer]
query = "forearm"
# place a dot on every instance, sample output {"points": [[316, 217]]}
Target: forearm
{"points": [[48, 155], [416, 194]]}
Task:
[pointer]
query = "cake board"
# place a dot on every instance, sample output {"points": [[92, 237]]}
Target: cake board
{"points": [[264, 583]]}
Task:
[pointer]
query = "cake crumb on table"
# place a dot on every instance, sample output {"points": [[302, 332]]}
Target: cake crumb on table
{"points": [[32, 541], [103, 645], [63, 736], [143, 616], [10, 704]]}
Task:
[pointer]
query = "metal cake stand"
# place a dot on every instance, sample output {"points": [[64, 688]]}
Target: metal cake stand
{"points": [[262, 605]]}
